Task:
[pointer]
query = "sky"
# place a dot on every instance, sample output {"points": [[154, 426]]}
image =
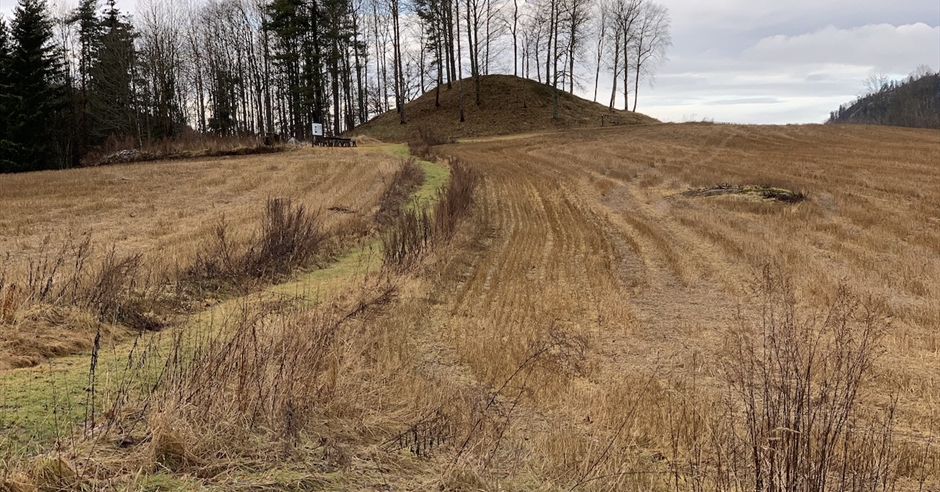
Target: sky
{"points": [[774, 61], [785, 61]]}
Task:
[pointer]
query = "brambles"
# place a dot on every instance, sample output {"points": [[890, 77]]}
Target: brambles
{"points": [[425, 138], [110, 286], [289, 237], [403, 183]]}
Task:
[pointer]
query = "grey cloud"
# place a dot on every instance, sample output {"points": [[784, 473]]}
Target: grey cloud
{"points": [[747, 100]]}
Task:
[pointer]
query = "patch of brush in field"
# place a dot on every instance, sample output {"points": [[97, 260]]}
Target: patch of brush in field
{"points": [[122, 152], [766, 192]]}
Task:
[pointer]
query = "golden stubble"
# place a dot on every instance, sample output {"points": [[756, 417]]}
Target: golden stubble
{"points": [[168, 210], [588, 235]]}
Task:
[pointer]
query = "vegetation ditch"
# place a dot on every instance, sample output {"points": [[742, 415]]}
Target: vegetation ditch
{"points": [[189, 370]]}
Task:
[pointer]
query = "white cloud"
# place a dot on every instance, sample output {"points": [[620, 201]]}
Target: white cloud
{"points": [[882, 47], [788, 78], [796, 15]]}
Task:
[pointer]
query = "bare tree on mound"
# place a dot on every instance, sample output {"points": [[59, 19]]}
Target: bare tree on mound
{"points": [[459, 63], [650, 43]]}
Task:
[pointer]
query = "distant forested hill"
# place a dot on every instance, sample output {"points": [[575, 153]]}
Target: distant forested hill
{"points": [[914, 102]]}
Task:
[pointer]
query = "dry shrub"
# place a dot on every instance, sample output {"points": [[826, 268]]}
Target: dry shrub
{"points": [[114, 288], [273, 385], [415, 230], [456, 200], [791, 420], [290, 237], [424, 139], [405, 181], [407, 238], [65, 298]]}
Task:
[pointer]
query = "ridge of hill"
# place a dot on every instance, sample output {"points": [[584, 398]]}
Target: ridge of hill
{"points": [[508, 105], [912, 103]]}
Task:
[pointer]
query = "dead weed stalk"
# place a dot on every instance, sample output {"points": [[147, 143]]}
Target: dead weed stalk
{"points": [[791, 420], [115, 288]]}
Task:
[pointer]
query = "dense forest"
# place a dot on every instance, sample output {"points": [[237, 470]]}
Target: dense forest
{"points": [[72, 81], [913, 102]]}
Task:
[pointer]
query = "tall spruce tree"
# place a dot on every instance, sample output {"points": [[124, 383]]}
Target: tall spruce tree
{"points": [[89, 35], [112, 105], [5, 164], [35, 91]]}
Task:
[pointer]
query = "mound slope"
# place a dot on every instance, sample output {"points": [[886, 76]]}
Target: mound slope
{"points": [[508, 105]]}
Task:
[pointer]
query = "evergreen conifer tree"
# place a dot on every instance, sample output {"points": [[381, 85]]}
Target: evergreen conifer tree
{"points": [[112, 104], [89, 36], [35, 98], [5, 164]]}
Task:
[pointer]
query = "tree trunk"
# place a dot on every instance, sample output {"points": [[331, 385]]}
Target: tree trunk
{"points": [[554, 54], [439, 52], [452, 64], [459, 63], [613, 91], [626, 72], [636, 84], [400, 77], [515, 43]]}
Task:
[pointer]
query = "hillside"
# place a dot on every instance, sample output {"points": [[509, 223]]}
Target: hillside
{"points": [[509, 105], [914, 103]]}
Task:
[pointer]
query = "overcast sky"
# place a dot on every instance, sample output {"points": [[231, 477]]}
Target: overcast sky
{"points": [[785, 61], [774, 61]]}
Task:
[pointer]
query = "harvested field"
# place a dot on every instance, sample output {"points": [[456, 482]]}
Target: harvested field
{"points": [[590, 237], [167, 210], [599, 322], [149, 221]]}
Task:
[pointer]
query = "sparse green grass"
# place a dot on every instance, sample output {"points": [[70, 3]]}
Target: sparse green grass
{"points": [[435, 175], [435, 178], [320, 285]]}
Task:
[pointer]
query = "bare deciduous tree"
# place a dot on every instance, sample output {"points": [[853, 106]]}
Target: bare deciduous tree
{"points": [[649, 44]]}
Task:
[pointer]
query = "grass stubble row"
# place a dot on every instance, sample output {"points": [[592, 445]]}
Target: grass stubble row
{"points": [[590, 327]]}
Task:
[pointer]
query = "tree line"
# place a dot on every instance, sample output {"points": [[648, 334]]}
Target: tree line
{"points": [[912, 102], [70, 82]]}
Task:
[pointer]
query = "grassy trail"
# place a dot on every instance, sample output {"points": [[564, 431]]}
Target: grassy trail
{"points": [[50, 402]]}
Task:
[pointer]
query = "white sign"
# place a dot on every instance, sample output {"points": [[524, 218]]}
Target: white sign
{"points": [[318, 129]]}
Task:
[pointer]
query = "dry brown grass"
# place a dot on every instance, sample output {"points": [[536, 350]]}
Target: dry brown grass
{"points": [[589, 327], [306, 386], [590, 233], [95, 234], [509, 105]]}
